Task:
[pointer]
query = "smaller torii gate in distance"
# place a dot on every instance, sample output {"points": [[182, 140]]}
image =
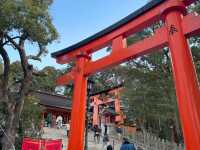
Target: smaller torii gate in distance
{"points": [[97, 101], [178, 26]]}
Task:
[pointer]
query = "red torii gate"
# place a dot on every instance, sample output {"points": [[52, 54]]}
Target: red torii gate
{"points": [[178, 26], [119, 118]]}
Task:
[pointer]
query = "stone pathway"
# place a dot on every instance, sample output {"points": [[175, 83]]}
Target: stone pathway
{"points": [[51, 133]]}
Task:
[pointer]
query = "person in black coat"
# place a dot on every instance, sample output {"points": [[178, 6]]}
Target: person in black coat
{"points": [[109, 147], [105, 129]]}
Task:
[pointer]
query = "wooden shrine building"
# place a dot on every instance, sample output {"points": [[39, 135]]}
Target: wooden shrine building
{"points": [[104, 109], [54, 105]]}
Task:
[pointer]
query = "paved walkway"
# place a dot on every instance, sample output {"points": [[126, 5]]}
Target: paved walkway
{"points": [[50, 133]]}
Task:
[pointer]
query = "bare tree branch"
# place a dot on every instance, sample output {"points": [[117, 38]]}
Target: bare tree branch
{"points": [[34, 58], [12, 41], [7, 41], [41, 74], [39, 54], [24, 61], [27, 69], [20, 48]]}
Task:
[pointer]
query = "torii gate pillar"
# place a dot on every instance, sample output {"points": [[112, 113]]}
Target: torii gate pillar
{"points": [[187, 89], [77, 128], [120, 117], [96, 112]]}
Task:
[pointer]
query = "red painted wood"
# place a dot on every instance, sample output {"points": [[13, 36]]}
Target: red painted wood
{"points": [[191, 25], [66, 78], [140, 48], [187, 89], [95, 111], [77, 128], [138, 24]]}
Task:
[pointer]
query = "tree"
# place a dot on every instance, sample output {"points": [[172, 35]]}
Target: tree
{"points": [[194, 42], [106, 79], [45, 81], [150, 96], [22, 22], [29, 126], [149, 91]]}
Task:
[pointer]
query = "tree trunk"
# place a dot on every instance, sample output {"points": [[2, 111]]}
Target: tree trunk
{"points": [[8, 139], [12, 124]]}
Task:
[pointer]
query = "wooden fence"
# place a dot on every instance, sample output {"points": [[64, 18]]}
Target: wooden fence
{"points": [[146, 141], [149, 142]]}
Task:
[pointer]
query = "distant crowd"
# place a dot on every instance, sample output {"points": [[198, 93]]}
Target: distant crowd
{"points": [[126, 145]]}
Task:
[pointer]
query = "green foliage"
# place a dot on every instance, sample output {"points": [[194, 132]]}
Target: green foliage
{"points": [[29, 125], [30, 17], [15, 75], [195, 43], [46, 80], [3, 114], [30, 118], [106, 79], [196, 54], [149, 94], [24, 23], [195, 8]]}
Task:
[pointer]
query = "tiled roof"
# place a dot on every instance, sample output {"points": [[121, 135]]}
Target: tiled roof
{"points": [[54, 100], [60, 101]]}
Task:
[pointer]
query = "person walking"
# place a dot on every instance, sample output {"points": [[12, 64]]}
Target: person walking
{"points": [[105, 129], [97, 132], [119, 132], [126, 145], [105, 141], [109, 147]]}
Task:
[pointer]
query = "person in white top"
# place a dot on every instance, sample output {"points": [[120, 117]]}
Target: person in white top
{"points": [[59, 122]]}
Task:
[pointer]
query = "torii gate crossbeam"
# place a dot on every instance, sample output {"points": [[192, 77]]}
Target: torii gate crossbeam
{"points": [[178, 26]]}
